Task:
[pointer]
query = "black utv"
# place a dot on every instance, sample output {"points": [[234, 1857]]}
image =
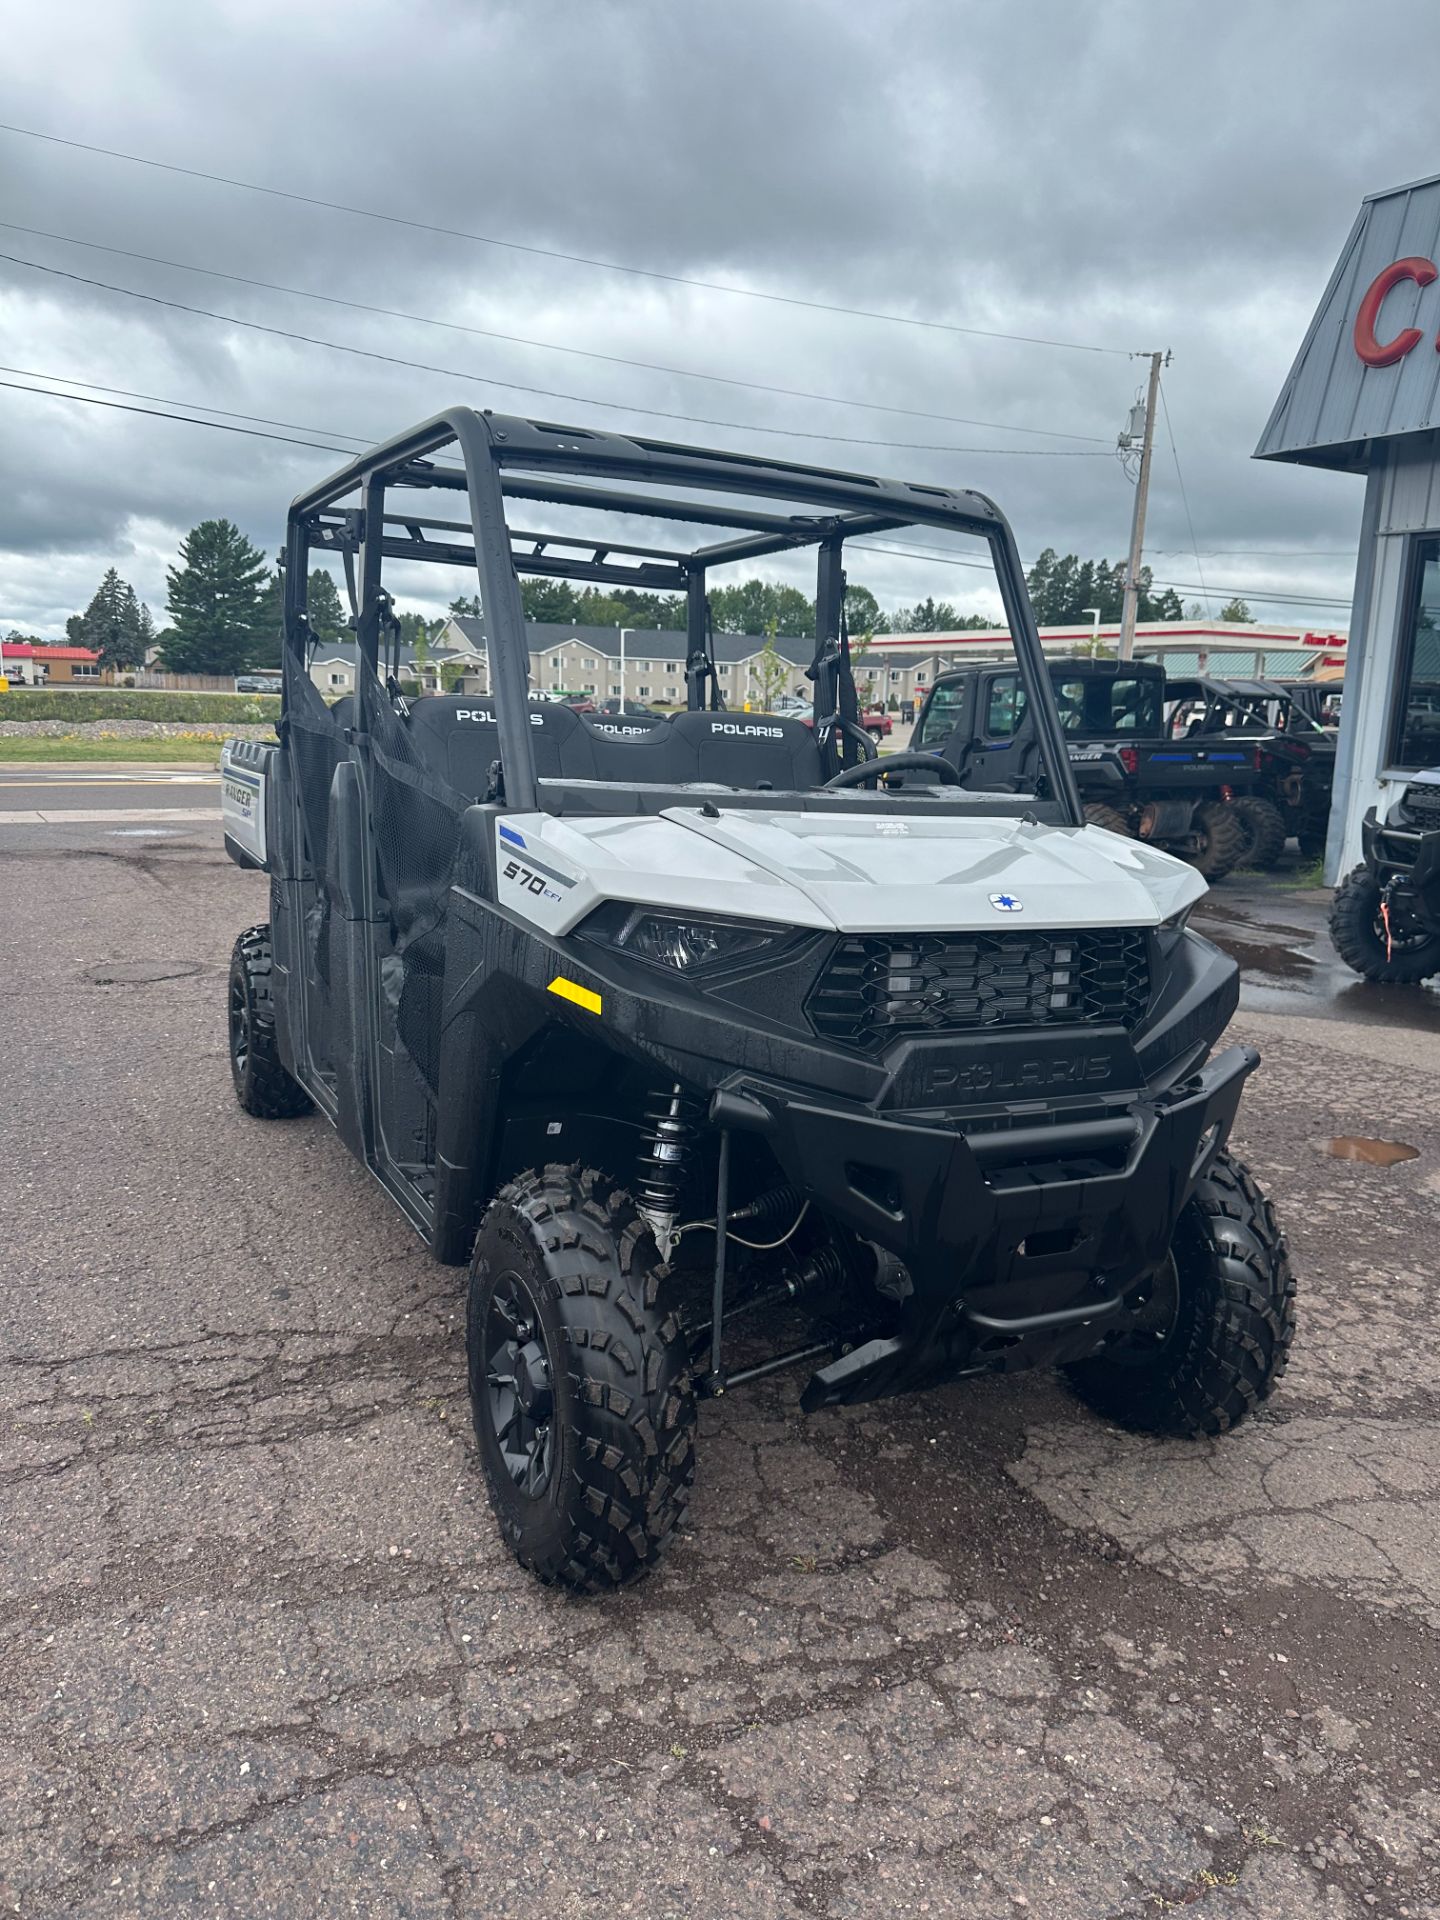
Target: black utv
{"points": [[1385, 919], [1292, 749], [1132, 777], [711, 1046]]}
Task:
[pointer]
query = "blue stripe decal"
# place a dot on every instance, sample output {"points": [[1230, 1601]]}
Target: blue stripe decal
{"points": [[509, 833], [245, 779]]}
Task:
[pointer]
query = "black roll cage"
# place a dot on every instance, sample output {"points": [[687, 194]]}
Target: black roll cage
{"points": [[507, 457]]}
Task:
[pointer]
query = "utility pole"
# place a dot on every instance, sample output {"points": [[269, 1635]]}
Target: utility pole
{"points": [[1137, 525]]}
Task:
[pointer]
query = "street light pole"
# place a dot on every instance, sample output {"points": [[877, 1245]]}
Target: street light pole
{"points": [[1137, 524], [1094, 613], [624, 634]]}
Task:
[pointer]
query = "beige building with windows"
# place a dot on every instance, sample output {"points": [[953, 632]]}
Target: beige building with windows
{"points": [[586, 660]]}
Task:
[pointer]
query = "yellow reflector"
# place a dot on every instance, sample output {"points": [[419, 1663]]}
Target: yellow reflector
{"points": [[582, 996]]}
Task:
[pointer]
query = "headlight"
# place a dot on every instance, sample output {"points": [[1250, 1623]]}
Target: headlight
{"points": [[1177, 922], [684, 942]]}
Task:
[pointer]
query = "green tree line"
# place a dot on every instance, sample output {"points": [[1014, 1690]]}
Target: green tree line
{"points": [[752, 606], [224, 603]]}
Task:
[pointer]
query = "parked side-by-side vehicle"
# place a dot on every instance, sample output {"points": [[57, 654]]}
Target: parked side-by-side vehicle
{"points": [[1132, 777], [717, 1044]]}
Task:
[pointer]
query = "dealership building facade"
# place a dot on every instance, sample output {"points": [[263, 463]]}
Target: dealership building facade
{"points": [[1363, 397]]}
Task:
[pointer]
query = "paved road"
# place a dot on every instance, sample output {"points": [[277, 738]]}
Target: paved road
{"points": [[972, 1653], [78, 796]]}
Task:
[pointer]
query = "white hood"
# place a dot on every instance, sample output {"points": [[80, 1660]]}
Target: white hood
{"points": [[933, 874], [854, 873]]}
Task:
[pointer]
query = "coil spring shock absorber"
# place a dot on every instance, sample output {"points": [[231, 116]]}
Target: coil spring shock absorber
{"points": [[660, 1174]]}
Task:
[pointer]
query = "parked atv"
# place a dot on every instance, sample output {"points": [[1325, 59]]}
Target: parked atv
{"points": [[1385, 919], [1131, 777], [710, 1030], [1293, 754]]}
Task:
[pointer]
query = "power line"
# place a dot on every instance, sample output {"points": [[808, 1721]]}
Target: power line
{"points": [[1266, 553], [544, 393], [555, 253], [1254, 593], [1187, 586], [549, 346], [1184, 497], [220, 426], [932, 554], [196, 406]]}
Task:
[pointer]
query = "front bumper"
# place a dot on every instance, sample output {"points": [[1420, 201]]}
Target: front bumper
{"points": [[1409, 858], [1022, 1242]]}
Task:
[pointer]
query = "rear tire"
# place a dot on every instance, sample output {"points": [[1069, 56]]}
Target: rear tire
{"points": [[589, 1453], [264, 1085], [1264, 829], [1231, 1319], [1312, 842], [1110, 818], [1359, 936], [1222, 840]]}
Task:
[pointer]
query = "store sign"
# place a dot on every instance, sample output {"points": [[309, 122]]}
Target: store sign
{"points": [[1374, 351]]}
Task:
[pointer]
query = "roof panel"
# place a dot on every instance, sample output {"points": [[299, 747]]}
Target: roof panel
{"points": [[1332, 402]]}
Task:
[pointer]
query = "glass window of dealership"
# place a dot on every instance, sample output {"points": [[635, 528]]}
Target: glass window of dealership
{"points": [[1363, 397]]}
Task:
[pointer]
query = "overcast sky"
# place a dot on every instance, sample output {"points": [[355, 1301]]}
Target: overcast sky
{"points": [[1122, 176]]}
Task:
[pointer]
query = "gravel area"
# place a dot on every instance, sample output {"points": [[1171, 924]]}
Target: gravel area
{"points": [[971, 1653]]}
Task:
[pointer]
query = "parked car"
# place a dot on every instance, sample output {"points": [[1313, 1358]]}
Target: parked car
{"points": [[634, 709], [875, 720], [257, 683]]}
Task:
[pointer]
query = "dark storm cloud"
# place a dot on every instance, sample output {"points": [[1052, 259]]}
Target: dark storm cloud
{"points": [[1131, 176]]}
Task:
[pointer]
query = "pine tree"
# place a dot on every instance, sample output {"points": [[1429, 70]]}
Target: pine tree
{"points": [[111, 624], [322, 606], [215, 599]]}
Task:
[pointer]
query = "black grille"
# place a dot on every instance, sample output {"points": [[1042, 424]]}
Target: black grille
{"points": [[1422, 803], [876, 987]]}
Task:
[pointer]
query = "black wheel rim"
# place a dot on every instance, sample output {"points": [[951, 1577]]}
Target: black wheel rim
{"points": [[1154, 1314], [239, 1027], [519, 1394], [1401, 938]]}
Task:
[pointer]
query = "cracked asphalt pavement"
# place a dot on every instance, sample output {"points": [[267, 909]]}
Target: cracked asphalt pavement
{"points": [[971, 1653]]}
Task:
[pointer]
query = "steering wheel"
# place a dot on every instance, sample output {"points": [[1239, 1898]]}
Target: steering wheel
{"points": [[883, 764]]}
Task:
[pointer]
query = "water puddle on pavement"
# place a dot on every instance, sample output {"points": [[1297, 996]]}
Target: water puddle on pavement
{"points": [[1374, 1153]]}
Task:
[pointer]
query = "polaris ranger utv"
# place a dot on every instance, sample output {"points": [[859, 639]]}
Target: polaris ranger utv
{"points": [[1132, 778], [1293, 753], [711, 1047], [1385, 919]]}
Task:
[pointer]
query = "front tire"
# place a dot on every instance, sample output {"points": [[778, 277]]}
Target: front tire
{"points": [[1213, 1328], [1358, 931], [1110, 818], [580, 1385], [1264, 829], [264, 1085], [1222, 840]]}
